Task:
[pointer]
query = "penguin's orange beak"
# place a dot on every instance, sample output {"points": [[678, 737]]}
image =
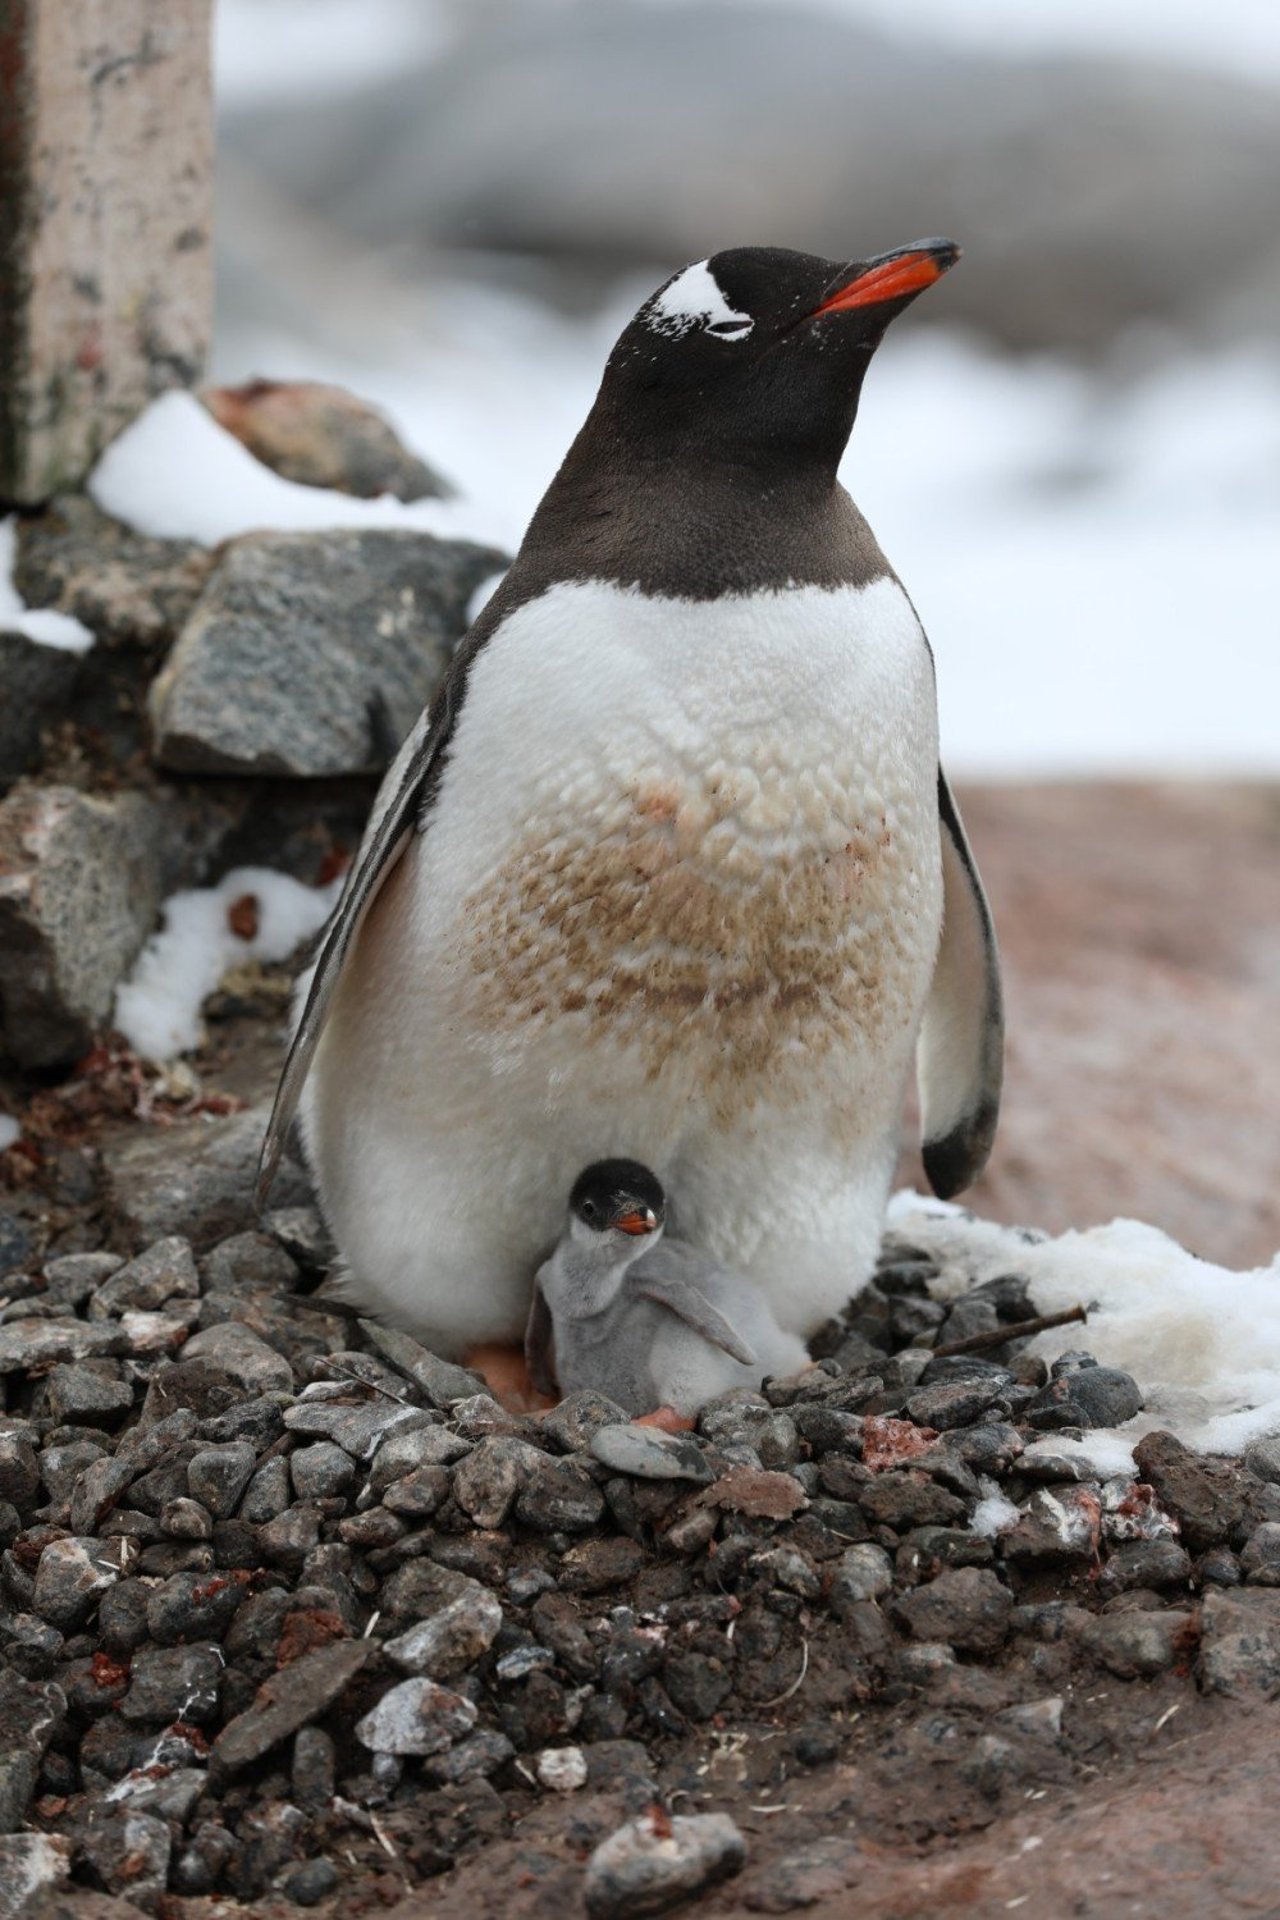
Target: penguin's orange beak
{"points": [[641, 1220], [892, 276]]}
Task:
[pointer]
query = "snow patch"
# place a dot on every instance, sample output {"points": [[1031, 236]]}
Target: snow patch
{"points": [[44, 625], [1202, 1341], [158, 1007], [10, 1130], [177, 475], [995, 1513], [695, 297]]}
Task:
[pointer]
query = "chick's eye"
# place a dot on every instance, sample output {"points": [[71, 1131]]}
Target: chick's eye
{"points": [[588, 1209], [730, 329]]}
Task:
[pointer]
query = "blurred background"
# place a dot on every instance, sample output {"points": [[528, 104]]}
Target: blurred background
{"points": [[1070, 452]]}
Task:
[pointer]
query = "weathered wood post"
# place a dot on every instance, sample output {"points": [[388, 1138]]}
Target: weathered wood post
{"points": [[106, 270]]}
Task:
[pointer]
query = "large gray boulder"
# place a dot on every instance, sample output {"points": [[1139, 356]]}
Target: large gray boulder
{"points": [[310, 654], [82, 877], [1087, 193]]}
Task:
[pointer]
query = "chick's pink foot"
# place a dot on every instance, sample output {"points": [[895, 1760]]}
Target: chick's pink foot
{"points": [[665, 1418]]}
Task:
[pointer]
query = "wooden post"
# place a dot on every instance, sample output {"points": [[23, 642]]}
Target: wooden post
{"points": [[106, 270]]}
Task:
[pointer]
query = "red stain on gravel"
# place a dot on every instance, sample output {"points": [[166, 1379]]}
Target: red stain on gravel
{"points": [[887, 1443], [307, 1629]]}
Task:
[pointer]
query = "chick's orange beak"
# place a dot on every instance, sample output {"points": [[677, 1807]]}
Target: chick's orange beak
{"points": [[892, 276], [639, 1220]]}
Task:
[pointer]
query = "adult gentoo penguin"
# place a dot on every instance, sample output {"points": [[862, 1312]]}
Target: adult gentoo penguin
{"points": [[668, 870]]}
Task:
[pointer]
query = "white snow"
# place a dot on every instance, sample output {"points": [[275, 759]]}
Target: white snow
{"points": [[1202, 1342], [694, 296], [177, 474], [10, 1130], [995, 1512], [158, 1006], [41, 624]]}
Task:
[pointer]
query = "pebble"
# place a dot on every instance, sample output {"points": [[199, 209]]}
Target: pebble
{"points": [[487, 1480], [966, 1608], [173, 1683], [822, 1870], [864, 1572], [83, 1395], [1057, 1523], [954, 1403], [165, 1271], [571, 1424], [649, 1454], [452, 1638], [561, 1769], [1138, 1644], [654, 1862], [416, 1717], [217, 1476], [30, 1345], [560, 1496], [1260, 1556], [1263, 1459], [72, 1575], [357, 1429], [1145, 1563], [1240, 1642], [1209, 1500], [413, 1447], [291, 1698], [443, 1383], [30, 1862], [310, 1883], [239, 1353], [321, 1471], [1087, 1396]]}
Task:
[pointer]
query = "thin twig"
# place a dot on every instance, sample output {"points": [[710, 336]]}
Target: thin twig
{"points": [[796, 1684], [1016, 1330]]}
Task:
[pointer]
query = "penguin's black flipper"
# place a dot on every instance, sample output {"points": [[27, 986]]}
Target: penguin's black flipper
{"points": [[396, 812], [960, 1053], [683, 1299]]}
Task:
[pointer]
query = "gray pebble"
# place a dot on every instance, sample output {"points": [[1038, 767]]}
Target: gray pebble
{"points": [[417, 1716], [650, 1454], [81, 1395], [321, 1471], [310, 1883], [238, 1352], [1260, 1556], [658, 1860], [217, 1476], [268, 1492], [173, 1683], [165, 1271]]}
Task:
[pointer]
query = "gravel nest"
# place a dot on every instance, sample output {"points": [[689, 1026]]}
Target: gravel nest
{"points": [[293, 1609]]}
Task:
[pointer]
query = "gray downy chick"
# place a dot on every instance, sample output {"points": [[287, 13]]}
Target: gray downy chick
{"points": [[647, 1320]]}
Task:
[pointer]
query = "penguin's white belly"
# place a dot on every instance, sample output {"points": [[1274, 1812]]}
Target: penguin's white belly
{"points": [[679, 897]]}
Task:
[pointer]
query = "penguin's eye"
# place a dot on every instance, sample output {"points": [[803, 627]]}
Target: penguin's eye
{"points": [[730, 329], [589, 1210]]}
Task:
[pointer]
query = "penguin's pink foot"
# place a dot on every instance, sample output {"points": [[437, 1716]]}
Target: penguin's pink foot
{"points": [[506, 1375], [667, 1419]]}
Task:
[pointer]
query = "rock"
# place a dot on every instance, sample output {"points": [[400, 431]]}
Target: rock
{"points": [[310, 1883], [903, 1497], [297, 634], [559, 1496], [299, 1693], [864, 1572], [1260, 1559], [173, 1683], [27, 1346], [38, 682], [19, 1471], [418, 1494], [321, 1471], [81, 1395], [1209, 1501], [315, 1761], [482, 1754], [1240, 1642], [303, 1234], [1146, 1563], [463, 1622], [1062, 1523], [658, 1860], [966, 1608], [486, 1482], [441, 1381], [196, 1178], [358, 1429], [561, 1769], [82, 877], [71, 1577], [650, 1454], [128, 1853], [593, 1566], [164, 1272], [571, 1424], [217, 1476], [322, 436], [30, 1862], [237, 1351], [130, 590], [1087, 1397], [822, 1870], [409, 1448], [416, 1717], [192, 1606], [953, 1403], [1139, 1644], [1263, 1458]]}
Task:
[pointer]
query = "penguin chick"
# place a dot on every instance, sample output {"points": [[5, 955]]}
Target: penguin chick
{"points": [[646, 1320]]}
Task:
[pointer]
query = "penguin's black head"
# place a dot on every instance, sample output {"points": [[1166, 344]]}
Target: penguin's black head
{"points": [[760, 351], [618, 1196]]}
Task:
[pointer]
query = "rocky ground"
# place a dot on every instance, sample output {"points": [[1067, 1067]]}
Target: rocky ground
{"points": [[292, 1613]]}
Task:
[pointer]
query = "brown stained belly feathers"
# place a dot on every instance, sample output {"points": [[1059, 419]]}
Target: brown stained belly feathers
{"points": [[677, 933]]}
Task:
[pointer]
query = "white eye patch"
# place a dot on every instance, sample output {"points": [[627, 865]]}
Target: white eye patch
{"points": [[694, 299]]}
